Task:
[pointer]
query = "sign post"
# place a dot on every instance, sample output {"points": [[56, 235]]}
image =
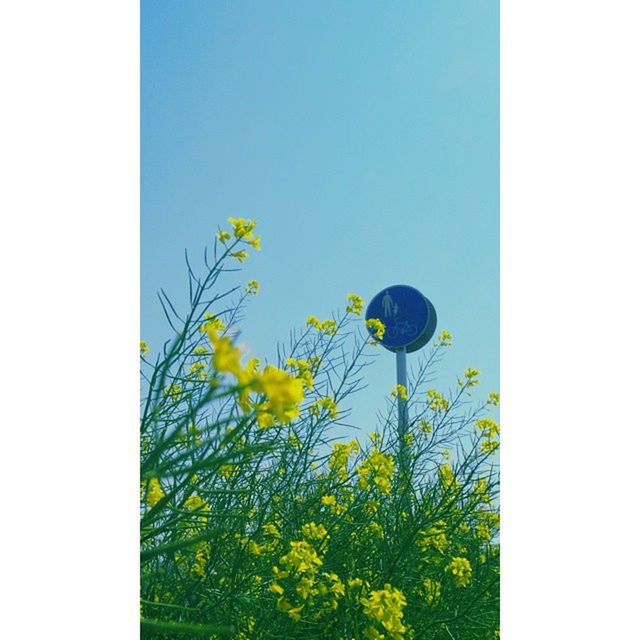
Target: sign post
{"points": [[410, 322], [401, 377]]}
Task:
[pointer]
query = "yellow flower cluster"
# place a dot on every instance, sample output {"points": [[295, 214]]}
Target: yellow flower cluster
{"points": [[328, 327], [376, 328], [173, 391], [378, 467], [471, 377], [252, 287], [202, 556], [339, 458], [283, 391], [447, 477], [444, 339], [154, 492], [494, 399], [400, 391], [306, 586], [144, 348], [355, 304], [434, 537], [385, 606], [303, 370], [460, 569], [490, 430], [436, 401], [327, 404], [302, 558], [424, 426], [313, 531]]}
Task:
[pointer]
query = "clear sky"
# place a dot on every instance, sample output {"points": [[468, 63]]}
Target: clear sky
{"points": [[363, 137]]}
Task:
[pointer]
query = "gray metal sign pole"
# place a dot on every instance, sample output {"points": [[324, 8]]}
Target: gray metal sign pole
{"points": [[401, 376]]}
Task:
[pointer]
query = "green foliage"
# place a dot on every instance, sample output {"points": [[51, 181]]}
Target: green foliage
{"points": [[257, 523]]}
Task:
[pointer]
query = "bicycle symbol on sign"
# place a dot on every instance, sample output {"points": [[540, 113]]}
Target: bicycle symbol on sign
{"points": [[402, 328]]}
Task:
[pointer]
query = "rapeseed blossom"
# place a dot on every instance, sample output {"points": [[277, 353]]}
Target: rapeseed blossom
{"points": [[252, 287], [283, 391], [302, 558], [240, 256], [303, 370], [325, 403], [242, 228], [444, 339], [378, 467], [400, 391], [154, 492], [471, 377], [434, 537], [355, 304], [313, 531], [376, 327], [385, 606], [328, 327], [339, 458], [460, 569], [144, 348], [436, 401]]}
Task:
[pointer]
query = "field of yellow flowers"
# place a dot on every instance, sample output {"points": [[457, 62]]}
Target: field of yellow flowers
{"points": [[257, 523]]}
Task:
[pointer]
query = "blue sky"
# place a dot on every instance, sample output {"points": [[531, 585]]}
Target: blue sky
{"points": [[363, 137]]}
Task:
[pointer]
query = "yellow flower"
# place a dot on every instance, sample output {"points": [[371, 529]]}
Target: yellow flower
{"points": [[490, 428], [196, 503], [223, 236], [460, 569], [144, 348], [154, 492], [314, 531], [226, 357], [240, 256], [425, 426], [302, 368], [253, 286], [436, 401], [355, 304], [471, 376], [328, 501], [283, 391], [400, 391], [212, 326], [385, 606], [378, 467], [325, 403], [202, 556], [433, 538], [173, 390], [242, 228], [339, 458], [494, 399], [302, 558], [447, 477], [444, 339], [255, 243], [376, 327]]}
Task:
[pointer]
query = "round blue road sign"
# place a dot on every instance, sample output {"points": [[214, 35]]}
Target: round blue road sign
{"points": [[408, 316]]}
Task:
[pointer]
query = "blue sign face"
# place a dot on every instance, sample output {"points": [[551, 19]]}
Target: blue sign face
{"points": [[409, 318]]}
